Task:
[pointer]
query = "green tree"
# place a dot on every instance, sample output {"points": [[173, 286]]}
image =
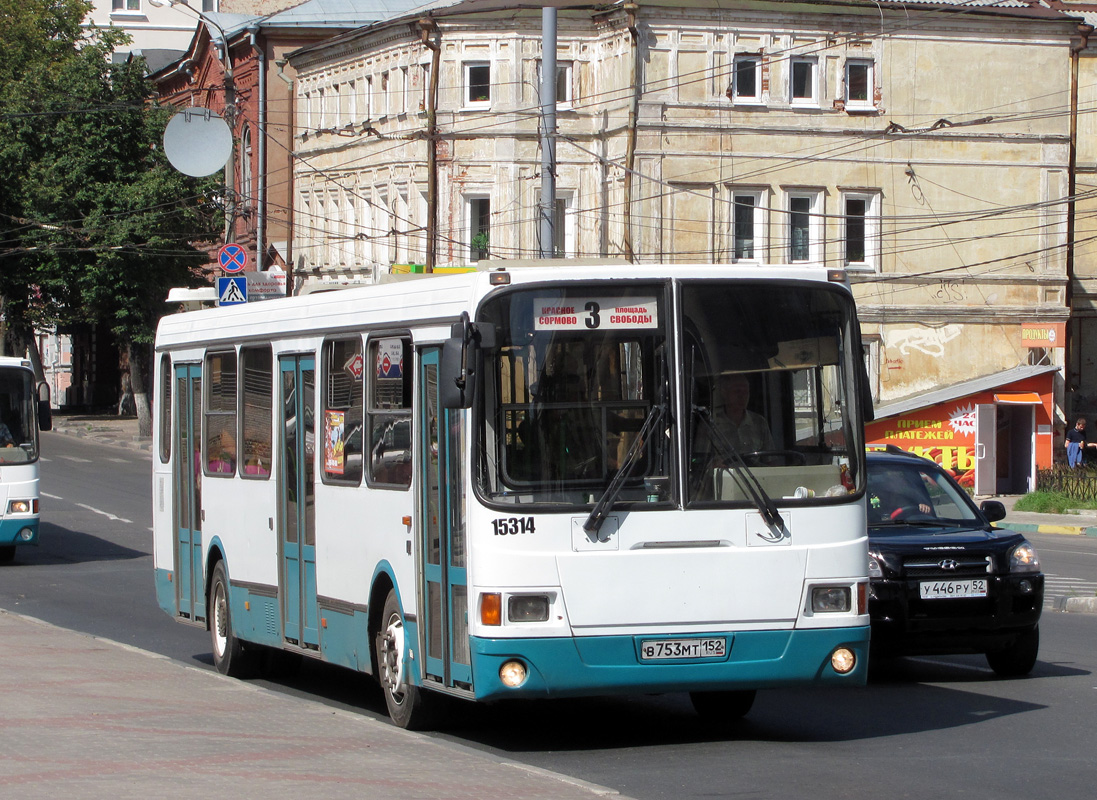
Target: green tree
{"points": [[97, 225]]}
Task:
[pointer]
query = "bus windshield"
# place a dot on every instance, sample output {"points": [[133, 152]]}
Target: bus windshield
{"points": [[576, 373], [18, 429], [770, 384], [765, 370]]}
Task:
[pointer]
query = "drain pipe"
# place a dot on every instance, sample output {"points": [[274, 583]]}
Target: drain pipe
{"points": [[633, 115], [427, 26], [1075, 55], [261, 172]]}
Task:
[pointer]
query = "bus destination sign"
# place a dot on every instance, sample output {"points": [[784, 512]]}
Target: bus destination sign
{"points": [[595, 313]]}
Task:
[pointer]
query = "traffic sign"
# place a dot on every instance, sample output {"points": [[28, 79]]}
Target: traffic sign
{"points": [[232, 258], [232, 291]]}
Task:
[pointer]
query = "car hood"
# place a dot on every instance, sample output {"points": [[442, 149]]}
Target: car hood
{"points": [[933, 538]]}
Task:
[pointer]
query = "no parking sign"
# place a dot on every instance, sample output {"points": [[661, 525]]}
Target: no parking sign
{"points": [[233, 258]]}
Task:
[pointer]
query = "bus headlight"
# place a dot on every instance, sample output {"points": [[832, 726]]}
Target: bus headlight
{"points": [[843, 660], [512, 674], [23, 507], [830, 599], [528, 608]]}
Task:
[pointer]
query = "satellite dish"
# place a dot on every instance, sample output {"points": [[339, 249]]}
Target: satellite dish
{"points": [[197, 142]]}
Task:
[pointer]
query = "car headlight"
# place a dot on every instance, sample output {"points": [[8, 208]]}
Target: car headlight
{"points": [[875, 565], [1024, 558]]}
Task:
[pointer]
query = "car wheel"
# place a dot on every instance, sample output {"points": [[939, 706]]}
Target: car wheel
{"points": [[229, 654], [7, 553], [1019, 658], [409, 706], [718, 707]]}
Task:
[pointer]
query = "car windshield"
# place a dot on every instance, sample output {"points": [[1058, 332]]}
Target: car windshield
{"points": [[903, 494]]}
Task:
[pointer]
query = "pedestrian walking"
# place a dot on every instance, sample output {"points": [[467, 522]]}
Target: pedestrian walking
{"points": [[1077, 442]]}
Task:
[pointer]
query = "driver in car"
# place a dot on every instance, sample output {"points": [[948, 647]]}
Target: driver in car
{"points": [[747, 431], [897, 502]]}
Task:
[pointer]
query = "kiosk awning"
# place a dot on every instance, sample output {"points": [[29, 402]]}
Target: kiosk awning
{"points": [[1018, 398]]}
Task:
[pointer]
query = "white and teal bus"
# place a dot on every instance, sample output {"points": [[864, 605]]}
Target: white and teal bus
{"points": [[22, 414], [522, 482]]}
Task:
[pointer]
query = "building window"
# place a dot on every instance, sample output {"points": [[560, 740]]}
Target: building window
{"points": [[802, 81], [563, 227], [860, 229], [859, 84], [221, 413], [125, 5], [747, 79], [478, 84], [805, 227], [478, 212], [564, 95], [747, 226], [246, 193]]}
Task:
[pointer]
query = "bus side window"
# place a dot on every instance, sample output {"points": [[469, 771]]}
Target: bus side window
{"points": [[221, 413], [389, 411], [344, 370], [257, 410]]}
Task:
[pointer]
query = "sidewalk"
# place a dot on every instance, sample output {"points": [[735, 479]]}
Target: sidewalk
{"points": [[89, 718]]}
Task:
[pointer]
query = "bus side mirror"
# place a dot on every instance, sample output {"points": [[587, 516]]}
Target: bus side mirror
{"points": [[45, 413], [456, 383]]}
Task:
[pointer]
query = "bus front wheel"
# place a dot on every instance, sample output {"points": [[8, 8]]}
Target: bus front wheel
{"points": [[229, 655], [408, 705], [7, 553]]}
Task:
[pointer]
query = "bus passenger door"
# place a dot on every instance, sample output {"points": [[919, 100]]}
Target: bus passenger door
{"points": [[187, 477], [297, 497], [443, 503]]}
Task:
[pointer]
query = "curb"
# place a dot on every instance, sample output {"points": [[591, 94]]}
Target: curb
{"points": [[1069, 530]]}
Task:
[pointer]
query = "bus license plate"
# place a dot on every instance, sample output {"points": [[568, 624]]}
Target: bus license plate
{"points": [[945, 590], [663, 649]]}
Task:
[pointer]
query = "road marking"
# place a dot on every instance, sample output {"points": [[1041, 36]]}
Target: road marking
{"points": [[106, 514], [92, 509], [77, 460]]}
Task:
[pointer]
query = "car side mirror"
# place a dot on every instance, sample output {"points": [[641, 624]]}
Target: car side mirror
{"points": [[993, 510]]}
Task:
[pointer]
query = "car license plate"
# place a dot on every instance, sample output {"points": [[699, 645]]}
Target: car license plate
{"points": [[945, 590], [664, 649]]}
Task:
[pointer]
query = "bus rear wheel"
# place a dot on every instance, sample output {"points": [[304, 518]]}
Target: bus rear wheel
{"points": [[408, 706], [722, 707], [229, 654]]}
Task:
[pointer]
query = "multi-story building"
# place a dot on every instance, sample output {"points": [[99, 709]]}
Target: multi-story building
{"points": [[924, 149]]}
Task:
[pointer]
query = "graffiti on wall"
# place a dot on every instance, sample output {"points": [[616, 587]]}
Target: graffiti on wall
{"points": [[930, 341]]}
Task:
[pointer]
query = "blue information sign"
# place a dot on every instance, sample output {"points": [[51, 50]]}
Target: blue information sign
{"points": [[232, 291]]}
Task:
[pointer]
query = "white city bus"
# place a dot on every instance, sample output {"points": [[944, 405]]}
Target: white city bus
{"points": [[518, 483], [22, 413]]}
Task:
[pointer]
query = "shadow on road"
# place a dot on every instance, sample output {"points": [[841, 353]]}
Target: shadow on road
{"points": [[60, 545]]}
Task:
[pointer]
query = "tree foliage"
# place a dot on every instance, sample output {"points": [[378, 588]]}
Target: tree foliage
{"points": [[97, 226]]}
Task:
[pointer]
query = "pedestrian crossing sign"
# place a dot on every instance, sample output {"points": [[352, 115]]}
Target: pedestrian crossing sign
{"points": [[232, 291]]}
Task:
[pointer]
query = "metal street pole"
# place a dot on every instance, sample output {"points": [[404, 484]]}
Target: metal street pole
{"points": [[548, 132]]}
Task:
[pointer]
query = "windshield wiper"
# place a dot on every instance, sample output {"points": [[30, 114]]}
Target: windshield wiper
{"points": [[609, 496], [745, 478]]}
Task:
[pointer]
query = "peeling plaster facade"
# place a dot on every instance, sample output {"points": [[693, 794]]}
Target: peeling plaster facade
{"points": [[930, 161]]}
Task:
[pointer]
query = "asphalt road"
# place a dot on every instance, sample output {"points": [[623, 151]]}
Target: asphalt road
{"points": [[923, 728]]}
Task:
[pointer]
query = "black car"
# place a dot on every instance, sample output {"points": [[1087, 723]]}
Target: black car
{"points": [[943, 580]]}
